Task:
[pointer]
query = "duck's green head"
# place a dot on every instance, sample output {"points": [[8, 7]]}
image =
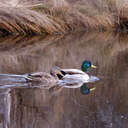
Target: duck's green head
{"points": [[86, 65], [85, 90]]}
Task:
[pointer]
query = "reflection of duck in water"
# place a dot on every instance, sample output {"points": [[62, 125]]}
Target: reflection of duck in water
{"points": [[86, 90], [73, 78]]}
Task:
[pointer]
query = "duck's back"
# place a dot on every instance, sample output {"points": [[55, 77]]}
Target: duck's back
{"points": [[73, 71], [42, 78]]}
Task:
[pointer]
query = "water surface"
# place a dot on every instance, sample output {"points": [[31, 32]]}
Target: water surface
{"points": [[106, 107]]}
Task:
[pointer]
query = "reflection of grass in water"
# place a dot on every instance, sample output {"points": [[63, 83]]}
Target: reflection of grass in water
{"points": [[61, 17], [19, 54]]}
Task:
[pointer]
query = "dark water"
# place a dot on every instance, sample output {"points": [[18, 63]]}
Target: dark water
{"points": [[106, 107]]}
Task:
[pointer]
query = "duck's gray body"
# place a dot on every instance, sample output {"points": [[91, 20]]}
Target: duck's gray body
{"points": [[75, 78]]}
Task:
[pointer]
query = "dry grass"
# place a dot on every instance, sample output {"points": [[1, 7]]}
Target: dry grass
{"points": [[25, 21], [59, 17]]}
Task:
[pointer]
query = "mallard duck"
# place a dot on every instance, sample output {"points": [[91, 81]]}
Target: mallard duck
{"points": [[41, 79], [73, 78]]}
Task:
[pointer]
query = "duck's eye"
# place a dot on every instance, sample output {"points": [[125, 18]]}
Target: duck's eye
{"points": [[88, 65]]}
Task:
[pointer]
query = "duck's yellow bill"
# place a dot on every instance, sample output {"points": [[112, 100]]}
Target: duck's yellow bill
{"points": [[92, 89], [93, 66]]}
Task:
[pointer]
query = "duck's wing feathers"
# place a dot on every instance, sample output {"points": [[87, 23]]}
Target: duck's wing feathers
{"points": [[39, 74], [72, 71]]}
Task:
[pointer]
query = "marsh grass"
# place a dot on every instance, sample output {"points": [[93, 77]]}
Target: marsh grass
{"points": [[60, 17], [24, 21]]}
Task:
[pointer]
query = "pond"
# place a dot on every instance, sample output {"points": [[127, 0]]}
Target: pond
{"points": [[106, 107]]}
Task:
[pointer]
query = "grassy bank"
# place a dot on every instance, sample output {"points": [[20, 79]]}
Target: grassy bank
{"points": [[60, 17]]}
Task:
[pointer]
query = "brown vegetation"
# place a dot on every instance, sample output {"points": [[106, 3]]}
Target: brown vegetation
{"points": [[59, 17]]}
